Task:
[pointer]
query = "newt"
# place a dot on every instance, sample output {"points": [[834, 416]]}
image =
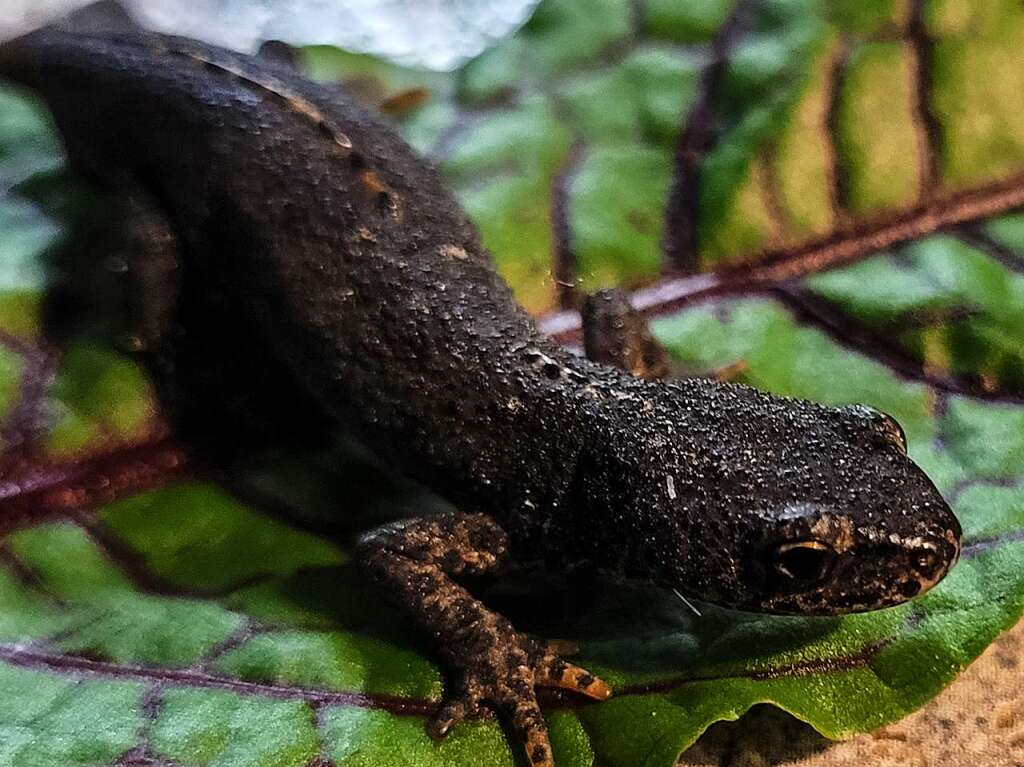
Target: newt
{"points": [[348, 276]]}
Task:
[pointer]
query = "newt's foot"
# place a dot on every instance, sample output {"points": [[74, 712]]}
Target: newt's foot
{"points": [[502, 672], [495, 665]]}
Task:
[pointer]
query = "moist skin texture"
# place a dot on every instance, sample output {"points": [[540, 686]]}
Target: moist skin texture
{"points": [[288, 243]]}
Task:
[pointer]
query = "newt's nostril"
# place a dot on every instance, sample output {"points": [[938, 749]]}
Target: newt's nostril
{"points": [[927, 562]]}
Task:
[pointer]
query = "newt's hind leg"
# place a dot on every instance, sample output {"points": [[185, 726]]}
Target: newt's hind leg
{"points": [[214, 385], [131, 293], [152, 266], [616, 334], [494, 665]]}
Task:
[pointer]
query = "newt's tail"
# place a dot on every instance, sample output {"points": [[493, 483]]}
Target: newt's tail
{"points": [[19, 57], [18, 60]]}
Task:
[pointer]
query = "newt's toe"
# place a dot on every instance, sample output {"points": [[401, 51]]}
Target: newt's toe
{"points": [[538, 750], [447, 716], [528, 723], [555, 672], [729, 373]]}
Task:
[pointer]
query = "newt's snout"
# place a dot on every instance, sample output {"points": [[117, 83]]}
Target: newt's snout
{"points": [[919, 561]]}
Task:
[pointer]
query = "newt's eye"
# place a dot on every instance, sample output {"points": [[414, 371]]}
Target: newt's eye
{"points": [[805, 562]]}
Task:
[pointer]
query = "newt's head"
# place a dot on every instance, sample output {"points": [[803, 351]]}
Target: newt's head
{"points": [[765, 503]]}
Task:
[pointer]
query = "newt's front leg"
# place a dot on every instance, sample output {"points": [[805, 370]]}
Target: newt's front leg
{"points": [[494, 664], [616, 334]]}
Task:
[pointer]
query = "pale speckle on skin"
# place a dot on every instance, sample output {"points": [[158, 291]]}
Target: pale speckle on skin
{"points": [[453, 251], [838, 529]]}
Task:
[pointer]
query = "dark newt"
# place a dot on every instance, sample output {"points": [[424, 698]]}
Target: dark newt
{"points": [[345, 270]]}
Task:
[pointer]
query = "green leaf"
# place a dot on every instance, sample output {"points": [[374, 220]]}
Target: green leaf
{"points": [[213, 727], [47, 720], [811, 153]]}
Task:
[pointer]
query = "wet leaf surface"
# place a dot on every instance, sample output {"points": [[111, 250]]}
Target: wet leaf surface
{"points": [[830, 200]]}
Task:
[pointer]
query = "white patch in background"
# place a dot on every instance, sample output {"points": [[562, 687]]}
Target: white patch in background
{"points": [[435, 34]]}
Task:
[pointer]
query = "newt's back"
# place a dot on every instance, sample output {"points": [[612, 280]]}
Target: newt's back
{"points": [[349, 261]]}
